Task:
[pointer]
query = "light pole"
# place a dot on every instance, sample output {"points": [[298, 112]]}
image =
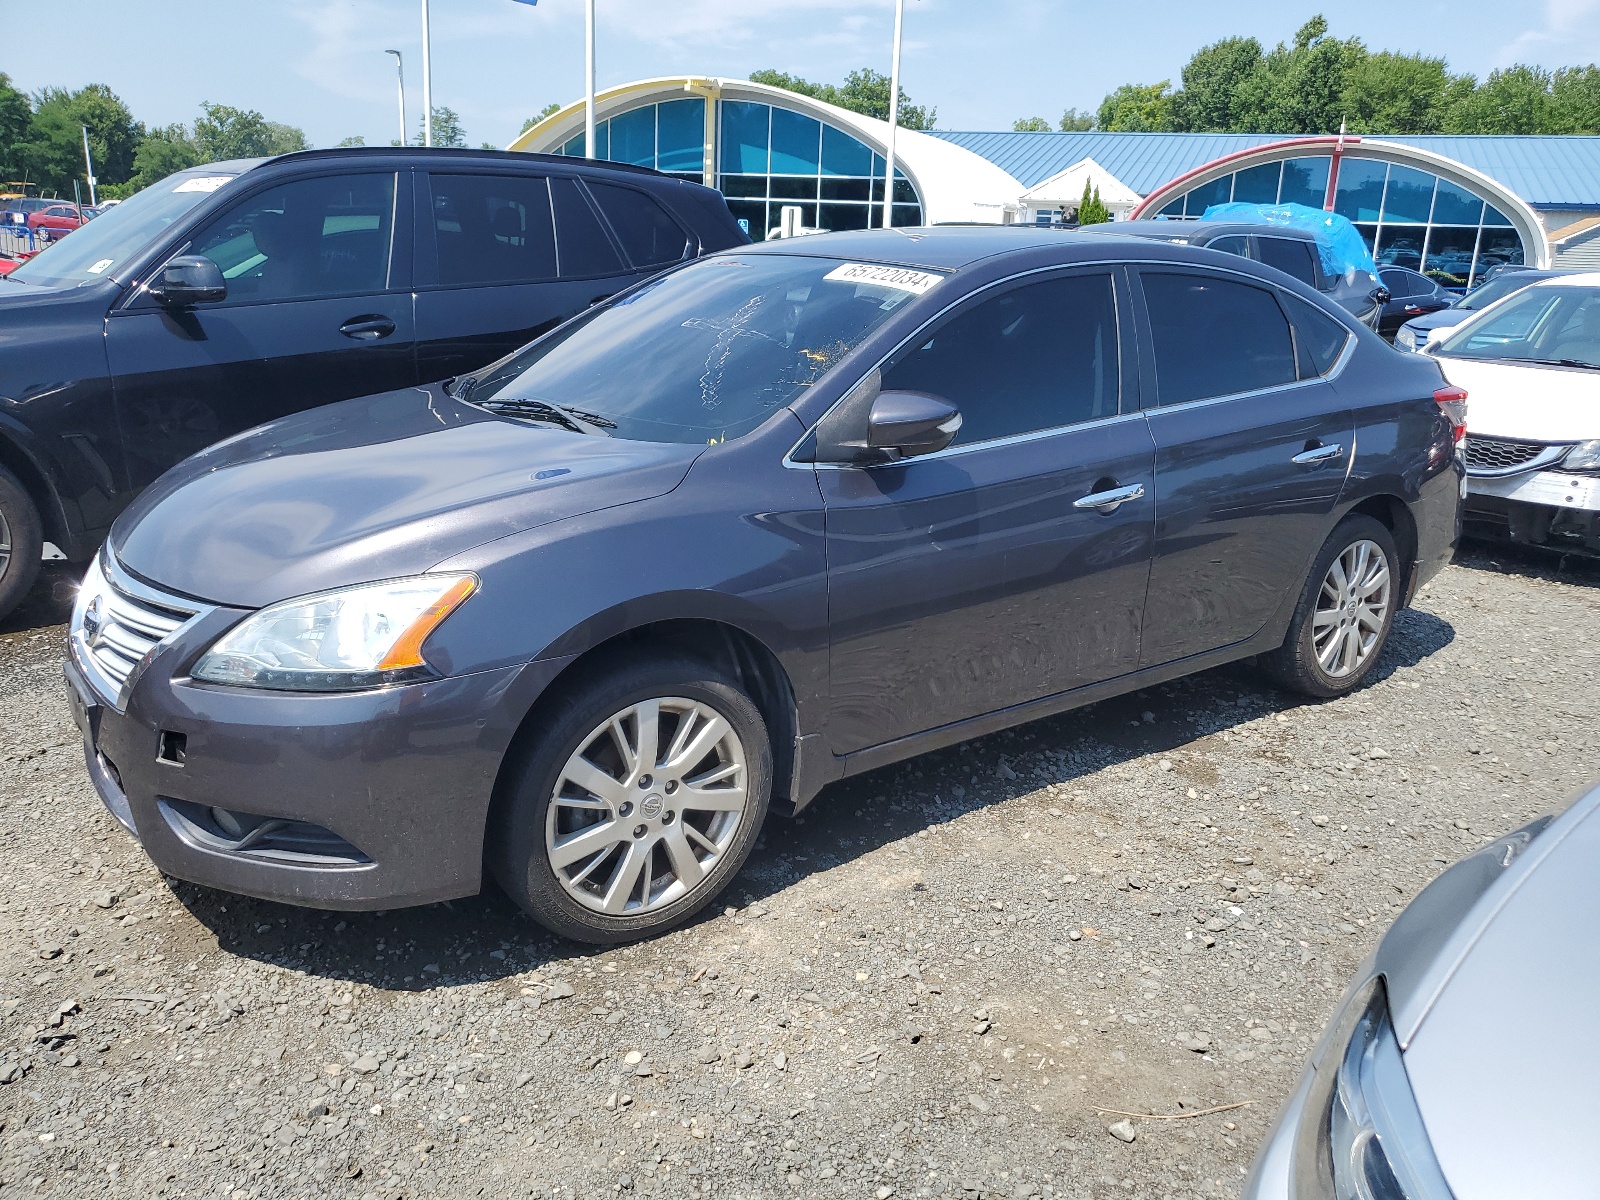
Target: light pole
{"points": [[588, 77], [894, 116], [400, 75], [88, 166], [427, 81]]}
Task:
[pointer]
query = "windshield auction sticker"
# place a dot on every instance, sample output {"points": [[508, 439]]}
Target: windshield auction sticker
{"points": [[902, 279], [203, 183]]}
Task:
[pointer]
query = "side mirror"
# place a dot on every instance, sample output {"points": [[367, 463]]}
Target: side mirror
{"points": [[1381, 295], [189, 279], [907, 424]]}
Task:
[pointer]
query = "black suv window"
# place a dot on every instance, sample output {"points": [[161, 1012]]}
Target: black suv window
{"points": [[327, 236], [1318, 338], [1290, 256], [493, 229], [1215, 337], [1036, 357], [649, 236], [586, 248]]}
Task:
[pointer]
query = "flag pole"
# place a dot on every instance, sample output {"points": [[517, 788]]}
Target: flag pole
{"points": [[588, 76], [427, 81], [894, 116], [88, 166]]}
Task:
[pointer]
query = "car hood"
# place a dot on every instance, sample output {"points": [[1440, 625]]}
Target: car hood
{"points": [[1444, 318], [1503, 1062], [1527, 402], [373, 488]]}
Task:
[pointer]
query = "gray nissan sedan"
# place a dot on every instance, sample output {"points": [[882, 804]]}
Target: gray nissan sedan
{"points": [[772, 518], [1462, 1062]]}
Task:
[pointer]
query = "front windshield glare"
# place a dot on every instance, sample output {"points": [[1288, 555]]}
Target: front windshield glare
{"points": [[97, 249], [1552, 324], [1486, 294], [708, 352]]}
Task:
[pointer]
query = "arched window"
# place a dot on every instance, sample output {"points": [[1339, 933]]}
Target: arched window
{"points": [[670, 136], [1408, 217]]}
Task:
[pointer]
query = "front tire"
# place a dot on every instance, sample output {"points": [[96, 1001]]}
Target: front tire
{"points": [[637, 804], [1346, 611], [21, 542]]}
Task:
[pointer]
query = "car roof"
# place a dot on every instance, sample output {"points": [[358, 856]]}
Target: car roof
{"points": [[1571, 279], [1194, 231], [951, 247]]}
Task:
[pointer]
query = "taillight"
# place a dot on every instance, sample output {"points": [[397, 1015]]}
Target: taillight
{"points": [[1454, 402]]}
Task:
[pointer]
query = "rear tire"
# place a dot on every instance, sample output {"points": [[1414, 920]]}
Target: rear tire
{"points": [[636, 804], [21, 542], [1346, 611]]}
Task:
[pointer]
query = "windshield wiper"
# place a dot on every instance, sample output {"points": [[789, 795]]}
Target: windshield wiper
{"points": [[564, 415], [1564, 362]]}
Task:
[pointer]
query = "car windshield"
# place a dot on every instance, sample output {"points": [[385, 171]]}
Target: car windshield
{"points": [[1552, 325], [1496, 289], [100, 247], [705, 353]]}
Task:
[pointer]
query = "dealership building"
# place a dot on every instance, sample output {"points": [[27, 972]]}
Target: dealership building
{"points": [[1450, 205]]}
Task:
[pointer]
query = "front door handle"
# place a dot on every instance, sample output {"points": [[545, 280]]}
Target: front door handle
{"points": [[1317, 454], [1109, 500], [368, 328]]}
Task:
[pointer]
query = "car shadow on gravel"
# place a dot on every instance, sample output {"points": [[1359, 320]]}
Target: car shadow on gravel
{"points": [[48, 602], [1540, 562], [486, 937]]}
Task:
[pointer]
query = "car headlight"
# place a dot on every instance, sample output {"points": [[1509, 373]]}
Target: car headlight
{"points": [[1585, 456], [1362, 1136], [340, 641], [1407, 337]]}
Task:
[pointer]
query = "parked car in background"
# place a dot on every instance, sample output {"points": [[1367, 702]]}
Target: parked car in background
{"points": [[1411, 294], [236, 292], [1531, 363], [778, 516], [1419, 331], [1292, 251], [1459, 1064], [56, 221]]}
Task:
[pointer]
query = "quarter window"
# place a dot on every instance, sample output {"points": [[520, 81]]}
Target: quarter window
{"points": [[1215, 337], [328, 236], [1036, 357], [1318, 338], [493, 229], [649, 236]]}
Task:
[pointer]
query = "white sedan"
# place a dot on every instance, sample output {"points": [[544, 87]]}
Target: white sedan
{"points": [[1530, 365]]}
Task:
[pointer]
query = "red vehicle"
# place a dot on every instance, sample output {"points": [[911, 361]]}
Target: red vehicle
{"points": [[56, 221]]}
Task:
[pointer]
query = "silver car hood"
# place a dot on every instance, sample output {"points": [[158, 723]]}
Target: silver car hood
{"points": [[1501, 1032]]}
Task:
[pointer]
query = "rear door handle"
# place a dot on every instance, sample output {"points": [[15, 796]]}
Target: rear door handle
{"points": [[1110, 499], [1317, 454], [368, 328]]}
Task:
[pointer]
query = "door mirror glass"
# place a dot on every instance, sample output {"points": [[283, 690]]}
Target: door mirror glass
{"points": [[190, 279], [907, 424]]}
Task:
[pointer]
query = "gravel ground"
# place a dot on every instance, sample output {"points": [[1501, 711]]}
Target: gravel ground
{"points": [[926, 986]]}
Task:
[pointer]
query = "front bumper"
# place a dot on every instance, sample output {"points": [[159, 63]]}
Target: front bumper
{"points": [[1553, 489], [1556, 509], [403, 775]]}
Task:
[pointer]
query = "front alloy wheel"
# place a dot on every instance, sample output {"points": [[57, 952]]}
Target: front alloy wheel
{"points": [[1352, 609], [647, 807]]}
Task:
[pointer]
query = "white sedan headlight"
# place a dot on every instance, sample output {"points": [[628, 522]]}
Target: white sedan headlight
{"points": [[1585, 456], [340, 641], [1362, 1136]]}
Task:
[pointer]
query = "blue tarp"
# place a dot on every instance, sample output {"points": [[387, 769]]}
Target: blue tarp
{"points": [[1341, 245]]}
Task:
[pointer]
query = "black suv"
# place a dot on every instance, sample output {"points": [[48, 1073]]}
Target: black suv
{"points": [[237, 292]]}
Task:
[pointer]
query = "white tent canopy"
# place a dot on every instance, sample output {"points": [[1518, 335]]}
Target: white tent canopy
{"points": [[1064, 190]]}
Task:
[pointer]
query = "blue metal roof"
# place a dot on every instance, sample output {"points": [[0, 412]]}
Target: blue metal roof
{"points": [[1547, 172]]}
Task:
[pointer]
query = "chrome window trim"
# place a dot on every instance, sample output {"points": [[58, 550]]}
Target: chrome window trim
{"points": [[1110, 267]]}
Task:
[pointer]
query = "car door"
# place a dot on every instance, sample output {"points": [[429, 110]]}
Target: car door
{"points": [[318, 310], [502, 258], [971, 580], [1252, 448]]}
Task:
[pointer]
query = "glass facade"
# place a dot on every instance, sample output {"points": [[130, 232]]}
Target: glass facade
{"points": [[770, 158], [1408, 217]]}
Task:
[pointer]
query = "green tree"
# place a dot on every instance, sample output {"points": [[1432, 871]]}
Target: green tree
{"points": [[1215, 86], [1396, 93], [864, 91], [354, 139], [1301, 88], [447, 129], [1514, 100], [1137, 108], [223, 132], [1575, 100], [1073, 121], [284, 139], [1030, 125], [16, 126], [53, 153], [549, 109], [1090, 209], [163, 151]]}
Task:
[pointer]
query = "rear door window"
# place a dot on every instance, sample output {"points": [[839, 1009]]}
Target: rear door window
{"points": [[492, 229], [1290, 256], [1215, 337], [1401, 282], [584, 249], [649, 237]]}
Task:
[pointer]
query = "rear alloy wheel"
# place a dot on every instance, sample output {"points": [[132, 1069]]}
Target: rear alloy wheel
{"points": [[1345, 613], [639, 803]]}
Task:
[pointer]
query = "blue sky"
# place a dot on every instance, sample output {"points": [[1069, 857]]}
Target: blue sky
{"points": [[320, 64]]}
